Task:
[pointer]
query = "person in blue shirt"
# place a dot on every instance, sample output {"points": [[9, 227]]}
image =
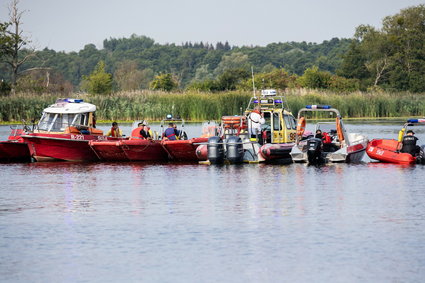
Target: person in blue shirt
{"points": [[171, 133]]}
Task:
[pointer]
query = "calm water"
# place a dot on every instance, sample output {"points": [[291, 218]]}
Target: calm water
{"points": [[136, 222]]}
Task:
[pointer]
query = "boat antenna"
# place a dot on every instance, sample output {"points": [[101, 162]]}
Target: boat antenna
{"points": [[253, 81]]}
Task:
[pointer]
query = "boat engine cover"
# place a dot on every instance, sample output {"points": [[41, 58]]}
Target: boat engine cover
{"points": [[314, 150], [234, 149], [215, 150]]}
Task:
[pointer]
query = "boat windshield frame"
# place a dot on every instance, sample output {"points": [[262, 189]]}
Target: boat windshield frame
{"points": [[333, 110], [410, 123], [173, 120], [48, 124]]}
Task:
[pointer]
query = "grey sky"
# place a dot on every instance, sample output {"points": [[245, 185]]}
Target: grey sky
{"points": [[70, 24]]}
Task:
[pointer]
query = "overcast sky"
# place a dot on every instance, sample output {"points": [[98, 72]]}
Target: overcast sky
{"points": [[68, 25]]}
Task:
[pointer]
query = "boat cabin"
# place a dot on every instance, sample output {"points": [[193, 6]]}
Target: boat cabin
{"points": [[69, 116], [280, 125]]}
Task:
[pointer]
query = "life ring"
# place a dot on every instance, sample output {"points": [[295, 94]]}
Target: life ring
{"points": [[234, 122], [339, 130], [301, 126]]}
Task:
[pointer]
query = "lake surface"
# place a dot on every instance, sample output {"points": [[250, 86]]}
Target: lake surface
{"points": [[168, 222]]}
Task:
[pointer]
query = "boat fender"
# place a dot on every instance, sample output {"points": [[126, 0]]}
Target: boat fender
{"points": [[301, 126]]}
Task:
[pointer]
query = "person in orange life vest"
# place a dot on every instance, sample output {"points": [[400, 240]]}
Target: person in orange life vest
{"points": [[137, 132], [171, 132], [115, 131]]}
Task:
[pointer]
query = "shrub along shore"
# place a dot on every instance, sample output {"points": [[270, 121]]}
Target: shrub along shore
{"points": [[200, 106]]}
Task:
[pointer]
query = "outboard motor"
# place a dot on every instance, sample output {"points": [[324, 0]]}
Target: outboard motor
{"points": [[215, 150], [314, 150], [420, 158], [234, 149]]}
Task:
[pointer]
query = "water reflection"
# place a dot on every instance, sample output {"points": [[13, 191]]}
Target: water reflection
{"points": [[153, 222]]}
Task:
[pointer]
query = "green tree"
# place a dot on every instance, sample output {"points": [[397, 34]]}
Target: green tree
{"points": [[99, 81], [164, 82], [315, 79], [13, 42], [231, 78], [234, 61], [392, 57], [5, 39]]}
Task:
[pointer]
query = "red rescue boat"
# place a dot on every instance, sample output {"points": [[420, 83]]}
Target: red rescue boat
{"points": [[386, 150], [183, 149], [64, 132], [14, 149]]}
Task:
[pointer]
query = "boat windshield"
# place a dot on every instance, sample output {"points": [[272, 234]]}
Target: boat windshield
{"points": [[326, 127], [58, 122]]}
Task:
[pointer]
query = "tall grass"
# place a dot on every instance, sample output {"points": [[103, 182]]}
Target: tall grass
{"points": [[196, 106]]}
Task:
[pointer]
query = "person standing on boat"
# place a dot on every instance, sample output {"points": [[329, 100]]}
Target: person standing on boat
{"points": [[255, 120], [115, 131], [408, 144], [171, 133]]}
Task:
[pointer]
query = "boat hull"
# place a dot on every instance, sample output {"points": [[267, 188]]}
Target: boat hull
{"points": [[61, 147], [385, 150], [13, 151], [183, 150], [129, 150]]}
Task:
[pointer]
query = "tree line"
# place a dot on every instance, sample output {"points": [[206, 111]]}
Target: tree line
{"points": [[391, 58]]}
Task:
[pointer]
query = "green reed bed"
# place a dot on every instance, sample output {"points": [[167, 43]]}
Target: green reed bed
{"points": [[194, 106]]}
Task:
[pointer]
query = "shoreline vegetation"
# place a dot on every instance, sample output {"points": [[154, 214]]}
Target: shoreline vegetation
{"points": [[195, 106]]}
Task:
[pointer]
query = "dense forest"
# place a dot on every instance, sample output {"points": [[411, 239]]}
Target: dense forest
{"points": [[391, 58], [136, 60]]}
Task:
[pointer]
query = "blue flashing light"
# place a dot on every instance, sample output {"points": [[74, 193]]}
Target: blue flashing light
{"points": [[416, 121], [256, 101], [72, 100], [278, 101], [318, 107]]}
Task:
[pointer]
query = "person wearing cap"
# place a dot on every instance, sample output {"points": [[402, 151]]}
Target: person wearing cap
{"points": [[408, 144], [145, 131], [141, 132]]}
